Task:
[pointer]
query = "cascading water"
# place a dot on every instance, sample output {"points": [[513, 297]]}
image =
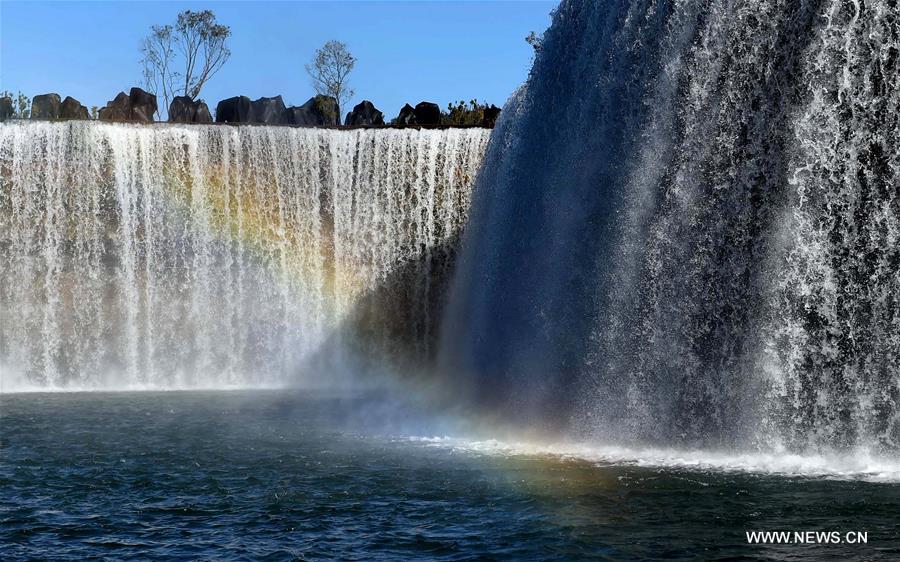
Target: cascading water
{"points": [[687, 231], [203, 256]]}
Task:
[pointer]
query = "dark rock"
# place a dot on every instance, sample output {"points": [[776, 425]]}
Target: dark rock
{"points": [[143, 105], [72, 109], [270, 111], [327, 108], [202, 115], [235, 110], [45, 106], [428, 113], [6, 108], [119, 109], [364, 114], [407, 116], [490, 116], [185, 110], [182, 110], [137, 106], [300, 116], [121, 101], [317, 112], [111, 114]]}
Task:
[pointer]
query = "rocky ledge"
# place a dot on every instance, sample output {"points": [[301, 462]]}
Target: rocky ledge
{"points": [[139, 106]]}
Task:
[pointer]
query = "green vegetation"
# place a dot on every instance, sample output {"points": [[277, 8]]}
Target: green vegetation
{"points": [[536, 40], [21, 104], [461, 113]]}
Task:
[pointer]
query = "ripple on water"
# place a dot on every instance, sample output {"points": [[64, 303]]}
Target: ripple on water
{"points": [[229, 476]]}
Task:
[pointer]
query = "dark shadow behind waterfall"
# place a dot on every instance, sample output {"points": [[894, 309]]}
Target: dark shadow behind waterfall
{"points": [[380, 360]]}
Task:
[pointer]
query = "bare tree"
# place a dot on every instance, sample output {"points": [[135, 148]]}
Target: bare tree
{"points": [[330, 69], [180, 60], [202, 43], [158, 58]]}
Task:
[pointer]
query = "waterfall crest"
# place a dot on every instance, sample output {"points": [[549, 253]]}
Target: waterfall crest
{"points": [[687, 231], [203, 256]]}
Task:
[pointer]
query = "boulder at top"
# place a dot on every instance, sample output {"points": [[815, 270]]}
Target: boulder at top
{"points": [[6, 108], [407, 116], [235, 110], [202, 115], [137, 106], [185, 110], [428, 113], [72, 109], [364, 114], [143, 105], [298, 115], [182, 110], [118, 109], [318, 111], [270, 111], [490, 116], [45, 106]]}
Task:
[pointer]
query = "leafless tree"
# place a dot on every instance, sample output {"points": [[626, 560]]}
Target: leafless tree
{"points": [[180, 60], [158, 58], [329, 71]]}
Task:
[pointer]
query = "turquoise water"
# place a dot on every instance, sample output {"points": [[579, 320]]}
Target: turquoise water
{"points": [[276, 475]]}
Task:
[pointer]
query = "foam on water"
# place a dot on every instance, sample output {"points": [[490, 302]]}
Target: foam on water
{"points": [[861, 465]]}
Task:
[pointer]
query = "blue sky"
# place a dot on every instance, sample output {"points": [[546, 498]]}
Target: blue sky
{"points": [[406, 51]]}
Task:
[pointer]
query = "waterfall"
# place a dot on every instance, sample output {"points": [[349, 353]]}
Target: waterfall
{"points": [[687, 231], [207, 256]]}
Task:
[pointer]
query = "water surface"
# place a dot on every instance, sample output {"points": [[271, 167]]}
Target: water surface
{"points": [[280, 475]]}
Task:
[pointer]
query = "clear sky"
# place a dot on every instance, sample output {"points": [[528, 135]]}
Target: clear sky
{"points": [[406, 51]]}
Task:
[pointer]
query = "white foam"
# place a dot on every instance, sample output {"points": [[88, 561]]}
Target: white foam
{"points": [[856, 465], [24, 388]]}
